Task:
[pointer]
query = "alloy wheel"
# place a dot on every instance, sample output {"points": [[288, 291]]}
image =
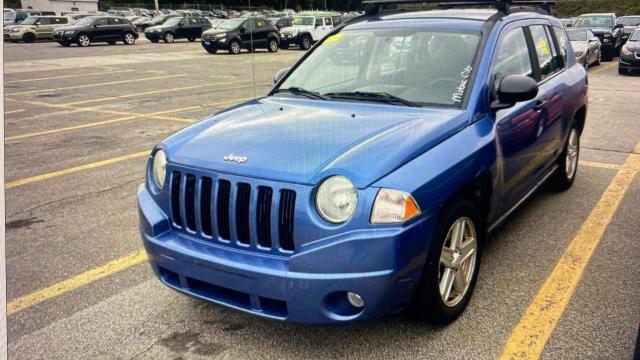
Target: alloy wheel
{"points": [[457, 261], [83, 40], [273, 46], [235, 47], [571, 162], [129, 39], [168, 38]]}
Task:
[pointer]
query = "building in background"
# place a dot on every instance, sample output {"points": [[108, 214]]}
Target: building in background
{"points": [[61, 5]]}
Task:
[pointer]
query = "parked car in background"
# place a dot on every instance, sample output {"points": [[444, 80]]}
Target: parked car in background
{"points": [[93, 29], [629, 61], [567, 23], [145, 23], [35, 28], [586, 46], [629, 24], [181, 27], [353, 192], [16, 17], [605, 27], [236, 34], [307, 29], [282, 22]]}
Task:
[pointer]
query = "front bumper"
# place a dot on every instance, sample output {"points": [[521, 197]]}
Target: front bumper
{"points": [[218, 44], [153, 36], [629, 62], [273, 286], [13, 35], [61, 37]]}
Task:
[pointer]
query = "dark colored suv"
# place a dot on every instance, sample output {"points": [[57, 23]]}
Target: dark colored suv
{"points": [[109, 29], [237, 34], [605, 27], [187, 27]]}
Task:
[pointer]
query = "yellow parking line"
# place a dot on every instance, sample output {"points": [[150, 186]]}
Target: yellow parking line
{"points": [[528, 338], [600, 165], [68, 76], [96, 84], [54, 174], [77, 281], [13, 111], [603, 68], [162, 91]]}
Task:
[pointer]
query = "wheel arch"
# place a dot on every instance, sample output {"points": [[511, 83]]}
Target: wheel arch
{"points": [[579, 118], [479, 191]]}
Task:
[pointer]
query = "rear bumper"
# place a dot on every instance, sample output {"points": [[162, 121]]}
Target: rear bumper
{"points": [[272, 286]]}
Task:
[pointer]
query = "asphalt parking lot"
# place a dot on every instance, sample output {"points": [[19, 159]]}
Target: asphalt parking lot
{"points": [[79, 124]]}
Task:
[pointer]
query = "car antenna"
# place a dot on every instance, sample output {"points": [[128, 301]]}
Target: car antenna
{"points": [[252, 50]]}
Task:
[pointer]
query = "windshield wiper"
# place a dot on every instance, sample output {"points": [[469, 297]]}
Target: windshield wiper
{"points": [[373, 96], [304, 92]]}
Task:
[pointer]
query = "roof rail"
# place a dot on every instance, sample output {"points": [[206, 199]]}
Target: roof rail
{"points": [[373, 7]]}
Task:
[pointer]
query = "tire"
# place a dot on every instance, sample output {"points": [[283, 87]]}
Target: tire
{"points": [[272, 45], [65, 44], [169, 38], [586, 63], [234, 47], [211, 51], [306, 42], [567, 162], [128, 38], [191, 39], [599, 60], [28, 38], [83, 40], [431, 304]]}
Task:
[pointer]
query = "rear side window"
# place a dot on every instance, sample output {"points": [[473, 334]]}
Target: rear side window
{"points": [[43, 21], [259, 24], [513, 57], [62, 20], [544, 52], [115, 21], [562, 42], [327, 21], [101, 22], [318, 21]]}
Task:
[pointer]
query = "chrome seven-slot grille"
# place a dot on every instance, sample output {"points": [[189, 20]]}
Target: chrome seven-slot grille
{"points": [[223, 211]]}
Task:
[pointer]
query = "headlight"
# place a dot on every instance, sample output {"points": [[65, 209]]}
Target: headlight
{"points": [[607, 35], [69, 32], [625, 51], [336, 199], [221, 35], [393, 206], [159, 168], [15, 30]]}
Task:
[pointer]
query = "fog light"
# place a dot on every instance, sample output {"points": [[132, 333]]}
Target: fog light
{"points": [[355, 300]]}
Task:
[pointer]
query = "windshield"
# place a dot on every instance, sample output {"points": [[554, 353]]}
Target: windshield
{"points": [[85, 21], [162, 18], [579, 35], [173, 21], [427, 67], [229, 24], [630, 21], [594, 22], [31, 20], [305, 20], [8, 16]]}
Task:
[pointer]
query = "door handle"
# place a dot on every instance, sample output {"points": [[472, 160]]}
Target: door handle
{"points": [[540, 104]]}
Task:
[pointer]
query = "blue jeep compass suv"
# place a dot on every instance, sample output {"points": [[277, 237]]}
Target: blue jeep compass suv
{"points": [[367, 180]]}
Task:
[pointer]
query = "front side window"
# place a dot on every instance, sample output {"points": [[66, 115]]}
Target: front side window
{"points": [[543, 51], [513, 57], [425, 67], [594, 22], [562, 42], [31, 20], [630, 21]]}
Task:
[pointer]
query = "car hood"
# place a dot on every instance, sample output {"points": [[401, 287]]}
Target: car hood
{"points": [[633, 45], [159, 27], [214, 31], [68, 28], [303, 141]]}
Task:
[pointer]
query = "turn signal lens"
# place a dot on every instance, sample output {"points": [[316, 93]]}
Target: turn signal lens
{"points": [[393, 206]]}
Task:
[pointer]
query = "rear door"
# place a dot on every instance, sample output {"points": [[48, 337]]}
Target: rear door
{"points": [[100, 30], [116, 29]]}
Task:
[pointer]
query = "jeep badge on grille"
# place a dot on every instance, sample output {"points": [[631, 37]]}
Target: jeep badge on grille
{"points": [[235, 158]]}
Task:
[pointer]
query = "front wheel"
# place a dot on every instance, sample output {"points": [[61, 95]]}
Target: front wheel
{"points": [[451, 269], [234, 47], [28, 38], [129, 39], [272, 46], [169, 38], [83, 40], [567, 163]]}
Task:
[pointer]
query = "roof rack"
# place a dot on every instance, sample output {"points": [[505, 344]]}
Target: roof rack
{"points": [[373, 7]]}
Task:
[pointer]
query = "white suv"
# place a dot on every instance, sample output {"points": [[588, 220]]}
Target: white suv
{"points": [[307, 29]]}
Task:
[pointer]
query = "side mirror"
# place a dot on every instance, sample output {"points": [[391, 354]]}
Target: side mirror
{"points": [[594, 39], [618, 26], [280, 74], [180, 24], [569, 25], [514, 89]]}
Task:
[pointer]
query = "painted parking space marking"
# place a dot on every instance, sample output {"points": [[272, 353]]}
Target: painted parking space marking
{"points": [[75, 169], [530, 335], [14, 111], [77, 281], [68, 76], [83, 86], [600, 165], [164, 91]]}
